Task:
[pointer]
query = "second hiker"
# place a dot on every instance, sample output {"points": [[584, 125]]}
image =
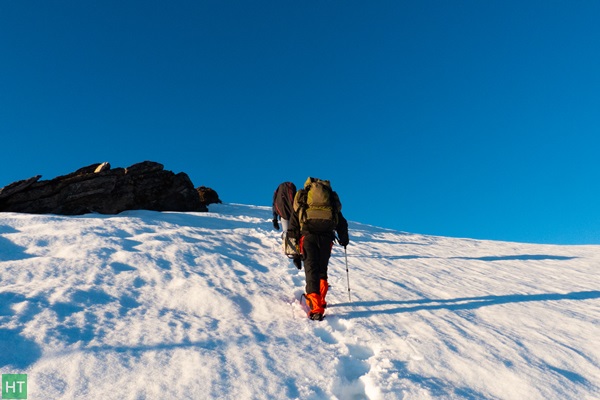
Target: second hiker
{"points": [[283, 209]]}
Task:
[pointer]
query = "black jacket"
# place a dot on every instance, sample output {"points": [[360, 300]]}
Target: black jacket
{"points": [[283, 200]]}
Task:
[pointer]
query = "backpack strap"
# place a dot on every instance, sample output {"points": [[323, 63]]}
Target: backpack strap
{"points": [[300, 205]]}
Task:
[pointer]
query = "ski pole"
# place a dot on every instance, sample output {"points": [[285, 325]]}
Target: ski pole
{"points": [[347, 274]]}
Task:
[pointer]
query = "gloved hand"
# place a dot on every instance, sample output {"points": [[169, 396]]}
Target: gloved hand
{"points": [[275, 224], [298, 262], [343, 240]]}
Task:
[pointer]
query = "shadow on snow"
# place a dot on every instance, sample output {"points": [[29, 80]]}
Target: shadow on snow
{"points": [[465, 303], [522, 257], [519, 257], [10, 251]]}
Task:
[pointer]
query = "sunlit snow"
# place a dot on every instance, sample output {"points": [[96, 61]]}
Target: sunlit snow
{"points": [[148, 305]]}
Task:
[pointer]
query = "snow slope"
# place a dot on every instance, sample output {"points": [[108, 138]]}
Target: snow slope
{"points": [[148, 305]]}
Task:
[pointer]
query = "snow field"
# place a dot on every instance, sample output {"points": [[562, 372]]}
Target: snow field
{"points": [[146, 305]]}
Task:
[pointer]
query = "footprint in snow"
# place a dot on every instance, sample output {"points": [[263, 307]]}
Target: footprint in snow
{"points": [[325, 336]]}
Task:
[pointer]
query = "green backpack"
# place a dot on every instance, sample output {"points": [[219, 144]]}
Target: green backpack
{"points": [[317, 206]]}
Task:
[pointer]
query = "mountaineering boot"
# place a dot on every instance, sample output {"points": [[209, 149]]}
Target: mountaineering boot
{"points": [[313, 301], [323, 287], [317, 317]]}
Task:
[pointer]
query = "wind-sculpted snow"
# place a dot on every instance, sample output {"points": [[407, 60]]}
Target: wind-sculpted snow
{"points": [[148, 305]]}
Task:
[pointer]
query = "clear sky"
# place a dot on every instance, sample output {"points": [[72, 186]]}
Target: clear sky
{"points": [[476, 119]]}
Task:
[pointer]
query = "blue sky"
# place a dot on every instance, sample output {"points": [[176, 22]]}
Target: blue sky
{"points": [[471, 119]]}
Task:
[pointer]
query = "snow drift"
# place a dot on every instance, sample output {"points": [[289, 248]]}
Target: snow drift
{"points": [[149, 305]]}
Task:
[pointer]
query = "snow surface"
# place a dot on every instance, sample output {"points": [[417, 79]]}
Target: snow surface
{"points": [[148, 305]]}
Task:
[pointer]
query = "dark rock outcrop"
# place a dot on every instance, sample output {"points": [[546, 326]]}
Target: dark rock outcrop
{"points": [[98, 188], [208, 196]]}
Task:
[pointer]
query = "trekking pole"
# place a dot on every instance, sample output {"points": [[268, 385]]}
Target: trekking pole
{"points": [[347, 274]]}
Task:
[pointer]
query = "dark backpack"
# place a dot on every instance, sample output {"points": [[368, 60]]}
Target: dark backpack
{"points": [[317, 206], [283, 199]]}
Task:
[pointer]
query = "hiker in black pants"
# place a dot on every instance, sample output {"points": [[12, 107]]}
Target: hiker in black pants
{"points": [[317, 217]]}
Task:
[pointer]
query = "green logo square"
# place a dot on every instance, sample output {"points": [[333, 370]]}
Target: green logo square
{"points": [[14, 386]]}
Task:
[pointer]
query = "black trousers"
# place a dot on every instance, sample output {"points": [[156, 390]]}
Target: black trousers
{"points": [[316, 249]]}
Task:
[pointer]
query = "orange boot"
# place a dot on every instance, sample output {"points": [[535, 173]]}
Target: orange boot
{"points": [[323, 287], [313, 301]]}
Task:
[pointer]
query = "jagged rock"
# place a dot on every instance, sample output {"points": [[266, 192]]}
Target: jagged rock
{"points": [[18, 186], [98, 188], [102, 167], [208, 196]]}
